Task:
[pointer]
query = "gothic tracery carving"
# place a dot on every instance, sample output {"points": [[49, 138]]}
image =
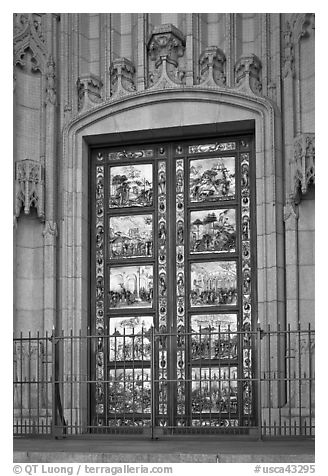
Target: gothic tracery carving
{"points": [[248, 74], [302, 165], [212, 67], [29, 187], [29, 39], [165, 46]]}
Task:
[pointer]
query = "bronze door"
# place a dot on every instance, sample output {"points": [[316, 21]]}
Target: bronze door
{"points": [[171, 254]]}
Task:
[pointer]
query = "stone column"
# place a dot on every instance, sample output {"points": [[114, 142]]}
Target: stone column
{"points": [[190, 21], [50, 228], [105, 54], [263, 43], [292, 279], [141, 80], [290, 212], [274, 65], [230, 47]]}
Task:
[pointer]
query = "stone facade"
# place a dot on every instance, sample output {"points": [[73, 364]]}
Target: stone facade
{"points": [[74, 71], [83, 79]]}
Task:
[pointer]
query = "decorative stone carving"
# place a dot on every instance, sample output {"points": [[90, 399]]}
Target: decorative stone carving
{"points": [[29, 187], [288, 51], [212, 67], [37, 24], [122, 77], [303, 24], [89, 91], [51, 82], [29, 40], [50, 229], [248, 74], [20, 22], [165, 46], [291, 210], [302, 165]]}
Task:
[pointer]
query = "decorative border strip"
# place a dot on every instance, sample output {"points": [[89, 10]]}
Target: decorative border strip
{"points": [[138, 154], [162, 289], [246, 282], [180, 286], [218, 146], [100, 291]]}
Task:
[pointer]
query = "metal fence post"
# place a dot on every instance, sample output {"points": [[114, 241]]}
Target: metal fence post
{"points": [[53, 386], [152, 379], [259, 395]]}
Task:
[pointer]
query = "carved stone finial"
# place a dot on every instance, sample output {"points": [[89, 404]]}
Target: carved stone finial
{"points": [[302, 165], [122, 77], [212, 67], [51, 82], [248, 74], [165, 46], [29, 187], [89, 91]]}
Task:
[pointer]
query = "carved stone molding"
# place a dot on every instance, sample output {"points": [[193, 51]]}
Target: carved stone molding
{"points": [[89, 91], [165, 46], [29, 187], [302, 165], [248, 74], [29, 39], [212, 67], [51, 82], [122, 73], [288, 52]]}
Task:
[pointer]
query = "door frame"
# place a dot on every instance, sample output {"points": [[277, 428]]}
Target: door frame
{"points": [[158, 115], [169, 155]]}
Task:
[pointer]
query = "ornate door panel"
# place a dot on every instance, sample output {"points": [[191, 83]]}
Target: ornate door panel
{"points": [[171, 250]]}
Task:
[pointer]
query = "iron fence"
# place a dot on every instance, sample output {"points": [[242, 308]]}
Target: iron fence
{"points": [[258, 383]]}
